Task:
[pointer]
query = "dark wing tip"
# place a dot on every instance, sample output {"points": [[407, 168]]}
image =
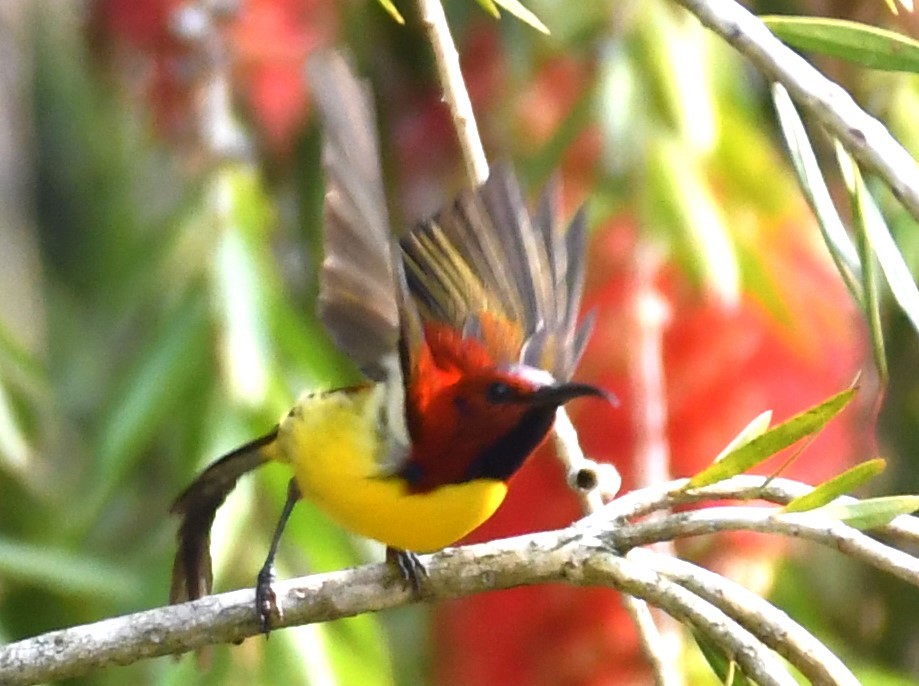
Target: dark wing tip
{"points": [[360, 282], [486, 254], [192, 576]]}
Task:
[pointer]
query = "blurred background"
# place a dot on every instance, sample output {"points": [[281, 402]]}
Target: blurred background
{"points": [[160, 207]]}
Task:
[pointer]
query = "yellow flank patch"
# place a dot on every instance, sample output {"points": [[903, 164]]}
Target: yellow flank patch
{"points": [[333, 442]]}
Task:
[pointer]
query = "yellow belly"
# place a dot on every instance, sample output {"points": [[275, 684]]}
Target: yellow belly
{"points": [[333, 443]]}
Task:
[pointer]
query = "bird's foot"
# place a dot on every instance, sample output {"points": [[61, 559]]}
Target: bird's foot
{"points": [[410, 569], [266, 602]]}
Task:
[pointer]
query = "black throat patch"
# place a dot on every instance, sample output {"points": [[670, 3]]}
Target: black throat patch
{"points": [[506, 455]]}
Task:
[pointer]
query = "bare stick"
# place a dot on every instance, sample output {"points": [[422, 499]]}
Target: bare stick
{"points": [[455, 94], [865, 137], [661, 642], [566, 555], [763, 619], [665, 669], [579, 554]]}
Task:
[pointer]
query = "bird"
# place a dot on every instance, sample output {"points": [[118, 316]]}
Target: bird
{"points": [[466, 329]]}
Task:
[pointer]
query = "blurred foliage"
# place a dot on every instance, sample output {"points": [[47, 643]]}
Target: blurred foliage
{"points": [[169, 284]]}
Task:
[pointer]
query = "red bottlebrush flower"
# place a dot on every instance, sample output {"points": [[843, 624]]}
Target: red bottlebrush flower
{"points": [[263, 44]]}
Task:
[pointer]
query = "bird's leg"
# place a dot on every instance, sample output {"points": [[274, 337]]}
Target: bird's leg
{"points": [[266, 603], [408, 565]]}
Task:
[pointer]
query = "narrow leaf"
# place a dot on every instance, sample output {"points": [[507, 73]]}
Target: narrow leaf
{"points": [[768, 444], [14, 446], [490, 7], [815, 190], [63, 571], [870, 513], [242, 210], [151, 392], [678, 195], [757, 427], [896, 271], [392, 10], [725, 668], [839, 485], [859, 201], [863, 44], [523, 14]]}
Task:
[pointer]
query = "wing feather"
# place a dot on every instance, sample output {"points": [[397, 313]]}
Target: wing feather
{"points": [[359, 293], [484, 265], [513, 280]]}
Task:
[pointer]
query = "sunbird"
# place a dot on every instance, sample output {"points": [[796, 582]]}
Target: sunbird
{"points": [[467, 330]]}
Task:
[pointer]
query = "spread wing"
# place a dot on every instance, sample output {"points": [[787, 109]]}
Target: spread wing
{"points": [[487, 266], [484, 265], [361, 284]]}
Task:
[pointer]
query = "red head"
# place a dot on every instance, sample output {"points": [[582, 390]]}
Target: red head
{"points": [[470, 418]]}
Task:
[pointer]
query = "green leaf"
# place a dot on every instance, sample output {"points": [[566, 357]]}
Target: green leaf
{"points": [[877, 233], [240, 280], [678, 196], [768, 444], [15, 451], [490, 7], [867, 45], [392, 10], [870, 513], [62, 571], [757, 427], [894, 6], [839, 485], [727, 671], [859, 201], [519, 11], [815, 190], [172, 362]]}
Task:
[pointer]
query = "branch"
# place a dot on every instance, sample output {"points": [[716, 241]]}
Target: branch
{"points": [[769, 624], [647, 318], [564, 555], [455, 93], [581, 554], [659, 649], [867, 139], [805, 525]]}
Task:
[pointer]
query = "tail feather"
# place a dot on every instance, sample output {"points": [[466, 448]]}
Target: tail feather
{"points": [[198, 504]]}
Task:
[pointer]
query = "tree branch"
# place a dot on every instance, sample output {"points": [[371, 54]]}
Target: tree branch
{"points": [[581, 554], [806, 525], [765, 621], [867, 139], [455, 94]]}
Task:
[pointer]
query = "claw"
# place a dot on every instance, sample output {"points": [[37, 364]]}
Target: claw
{"points": [[410, 569], [266, 602]]}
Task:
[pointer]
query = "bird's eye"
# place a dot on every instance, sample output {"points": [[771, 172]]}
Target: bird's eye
{"points": [[499, 392]]}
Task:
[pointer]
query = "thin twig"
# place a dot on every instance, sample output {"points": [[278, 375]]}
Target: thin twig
{"points": [[810, 526], [867, 139], [764, 620], [455, 94], [578, 555], [595, 483], [647, 375], [758, 663], [663, 644], [659, 657]]}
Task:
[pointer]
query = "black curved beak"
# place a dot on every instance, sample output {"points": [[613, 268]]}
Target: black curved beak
{"points": [[560, 394]]}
